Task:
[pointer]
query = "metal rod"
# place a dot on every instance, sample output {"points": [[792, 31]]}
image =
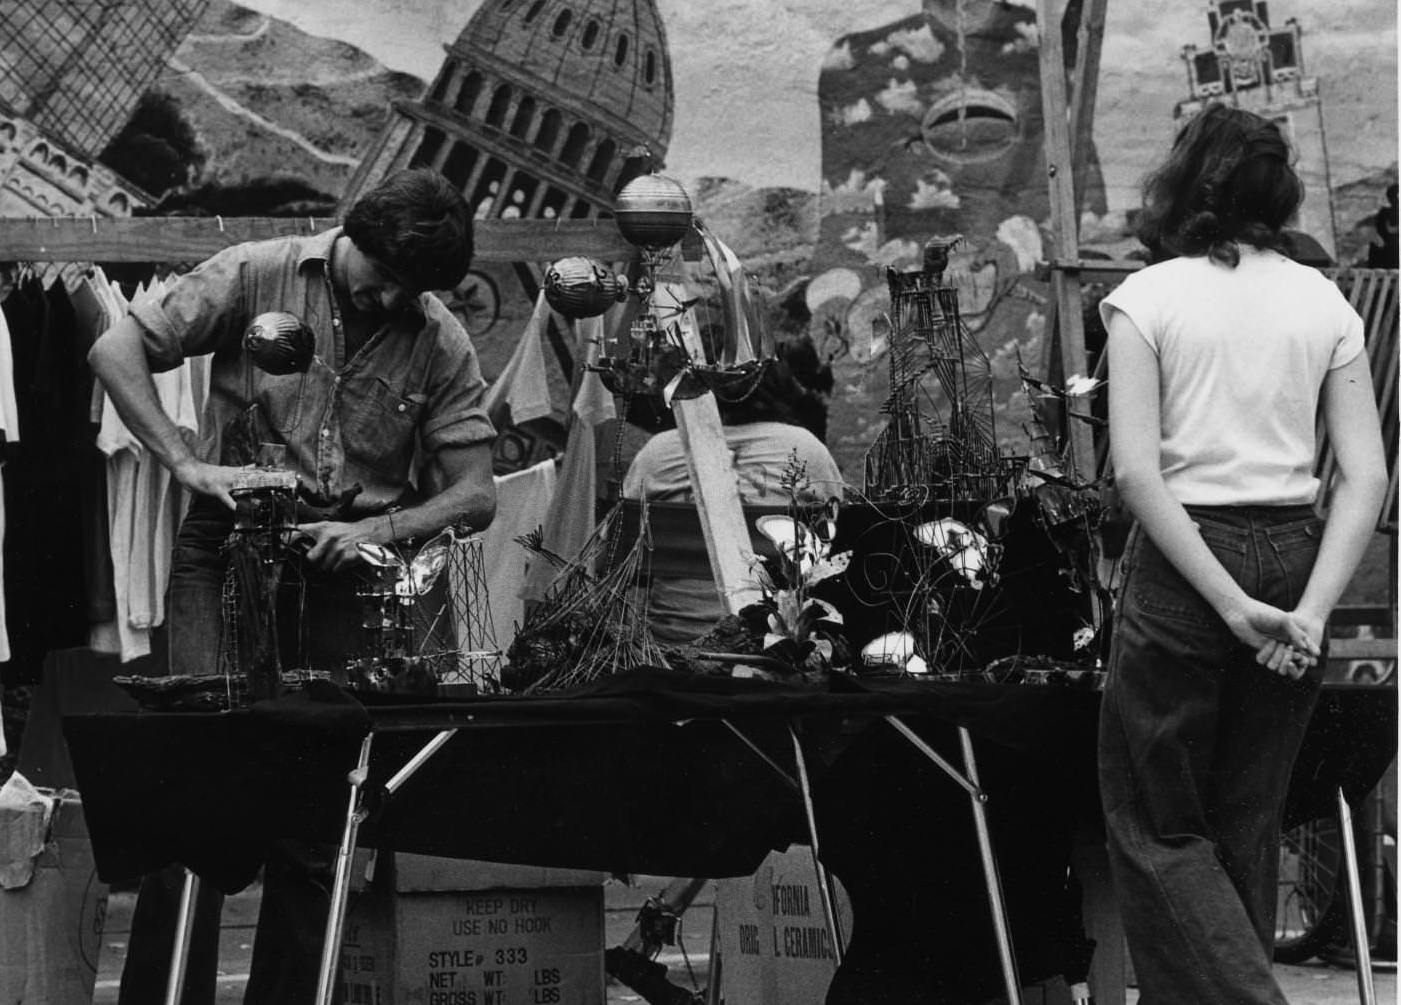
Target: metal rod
{"points": [[1361, 948], [971, 786], [184, 931], [994, 881], [829, 909], [417, 761], [792, 783], [340, 889], [712, 991]]}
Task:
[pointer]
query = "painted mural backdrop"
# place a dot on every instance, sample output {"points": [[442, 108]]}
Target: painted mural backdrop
{"points": [[931, 125], [824, 140]]}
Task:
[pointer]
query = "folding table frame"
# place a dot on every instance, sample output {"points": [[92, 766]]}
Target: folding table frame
{"points": [[357, 812]]}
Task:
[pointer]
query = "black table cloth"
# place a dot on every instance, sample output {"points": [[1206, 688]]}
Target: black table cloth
{"points": [[639, 774], [645, 773]]}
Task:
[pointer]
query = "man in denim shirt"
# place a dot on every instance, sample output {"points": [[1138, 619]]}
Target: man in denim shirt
{"points": [[392, 400]]}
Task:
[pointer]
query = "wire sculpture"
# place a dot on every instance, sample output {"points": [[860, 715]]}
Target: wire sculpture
{"points": [[941, 440], [590, 623]]}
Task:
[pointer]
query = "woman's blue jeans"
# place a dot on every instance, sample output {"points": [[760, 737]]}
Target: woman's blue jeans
{"points": [[1196, 745]]}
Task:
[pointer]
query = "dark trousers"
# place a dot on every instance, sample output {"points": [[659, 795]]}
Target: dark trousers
{"points": [[286, 963], [147, 967], [296, 875], [1196, 746]]}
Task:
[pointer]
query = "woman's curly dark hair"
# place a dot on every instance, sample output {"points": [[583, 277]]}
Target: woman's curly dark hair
{"points": [[793, 388], [1227, 180]]}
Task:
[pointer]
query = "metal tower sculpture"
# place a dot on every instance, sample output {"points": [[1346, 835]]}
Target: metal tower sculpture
{"points": [[941, 442]]}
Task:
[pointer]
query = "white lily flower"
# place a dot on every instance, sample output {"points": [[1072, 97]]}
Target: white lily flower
{"points": [[960, 545]]}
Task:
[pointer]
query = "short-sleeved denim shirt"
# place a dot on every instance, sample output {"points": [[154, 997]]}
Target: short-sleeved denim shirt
{"points": [[414, 388]]}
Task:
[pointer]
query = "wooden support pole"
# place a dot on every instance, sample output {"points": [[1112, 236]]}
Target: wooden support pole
{"points": [[1064, 225], [1084, 89], [716, 490]]}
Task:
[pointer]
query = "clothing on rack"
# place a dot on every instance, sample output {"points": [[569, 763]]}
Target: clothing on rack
{"points": [[144, 503], [522, 504], [9, 428], [94, 312], [521, 392], [571, 517], [43, 550]]}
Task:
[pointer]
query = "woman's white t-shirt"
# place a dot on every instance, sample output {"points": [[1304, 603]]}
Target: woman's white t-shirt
{"points": [[1242, 354]]}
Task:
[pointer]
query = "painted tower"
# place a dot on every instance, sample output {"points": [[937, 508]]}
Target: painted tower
{"points": [[71, 74], [76, 69], [543, 109], [1261, 69]]}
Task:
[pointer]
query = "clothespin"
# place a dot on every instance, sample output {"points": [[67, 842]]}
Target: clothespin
{"points": [[220, 219], [94, 223]]}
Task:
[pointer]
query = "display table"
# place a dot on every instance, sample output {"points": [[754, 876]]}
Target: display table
{"points": [[664, 774]]}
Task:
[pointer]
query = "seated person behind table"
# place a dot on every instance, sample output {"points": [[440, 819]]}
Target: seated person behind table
{"points": [[780, 420]]}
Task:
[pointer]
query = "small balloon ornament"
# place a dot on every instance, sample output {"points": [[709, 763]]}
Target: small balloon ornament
{"points": [[653, 212], [582, 287], [279, 343]]}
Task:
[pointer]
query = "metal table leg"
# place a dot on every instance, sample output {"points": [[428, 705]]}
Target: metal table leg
{"points": [[824, 886], [990, 874], [340, 888], [969, 782], [354, 817], [1361, 938], [184, 930]]}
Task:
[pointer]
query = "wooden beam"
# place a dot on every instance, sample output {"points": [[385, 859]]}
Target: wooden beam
{"points": [[715, 487], [195, 238], [1064, 224], [1089, 43], [1090, 270]]}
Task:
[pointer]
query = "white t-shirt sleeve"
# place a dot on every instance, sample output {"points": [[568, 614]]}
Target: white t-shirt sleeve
{"points": [[1351, 337], [1136, 297]]}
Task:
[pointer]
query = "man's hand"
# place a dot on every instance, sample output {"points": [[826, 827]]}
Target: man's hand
{"points": [[209, 479], [333, 543]]}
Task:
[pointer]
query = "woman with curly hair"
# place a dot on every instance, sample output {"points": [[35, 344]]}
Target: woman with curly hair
{"points": [[1223, 356], [778, 422]]}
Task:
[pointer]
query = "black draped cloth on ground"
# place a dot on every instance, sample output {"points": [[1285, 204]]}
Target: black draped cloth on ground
{"points": [[644, 773]]}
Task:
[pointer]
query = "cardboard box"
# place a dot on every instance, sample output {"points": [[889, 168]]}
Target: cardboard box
{"points": [[407, 939], [51, 926], [774, 943]]}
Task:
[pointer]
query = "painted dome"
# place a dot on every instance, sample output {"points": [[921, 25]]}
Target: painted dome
{"points": [[607, 57]]}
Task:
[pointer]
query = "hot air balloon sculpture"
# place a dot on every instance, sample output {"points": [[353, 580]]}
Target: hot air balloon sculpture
{"points": [[654, 213], [583, 287], [658, 356]]}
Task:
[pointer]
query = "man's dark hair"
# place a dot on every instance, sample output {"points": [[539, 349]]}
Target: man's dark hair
{"points": [[1227, 180], [417, 225]]}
